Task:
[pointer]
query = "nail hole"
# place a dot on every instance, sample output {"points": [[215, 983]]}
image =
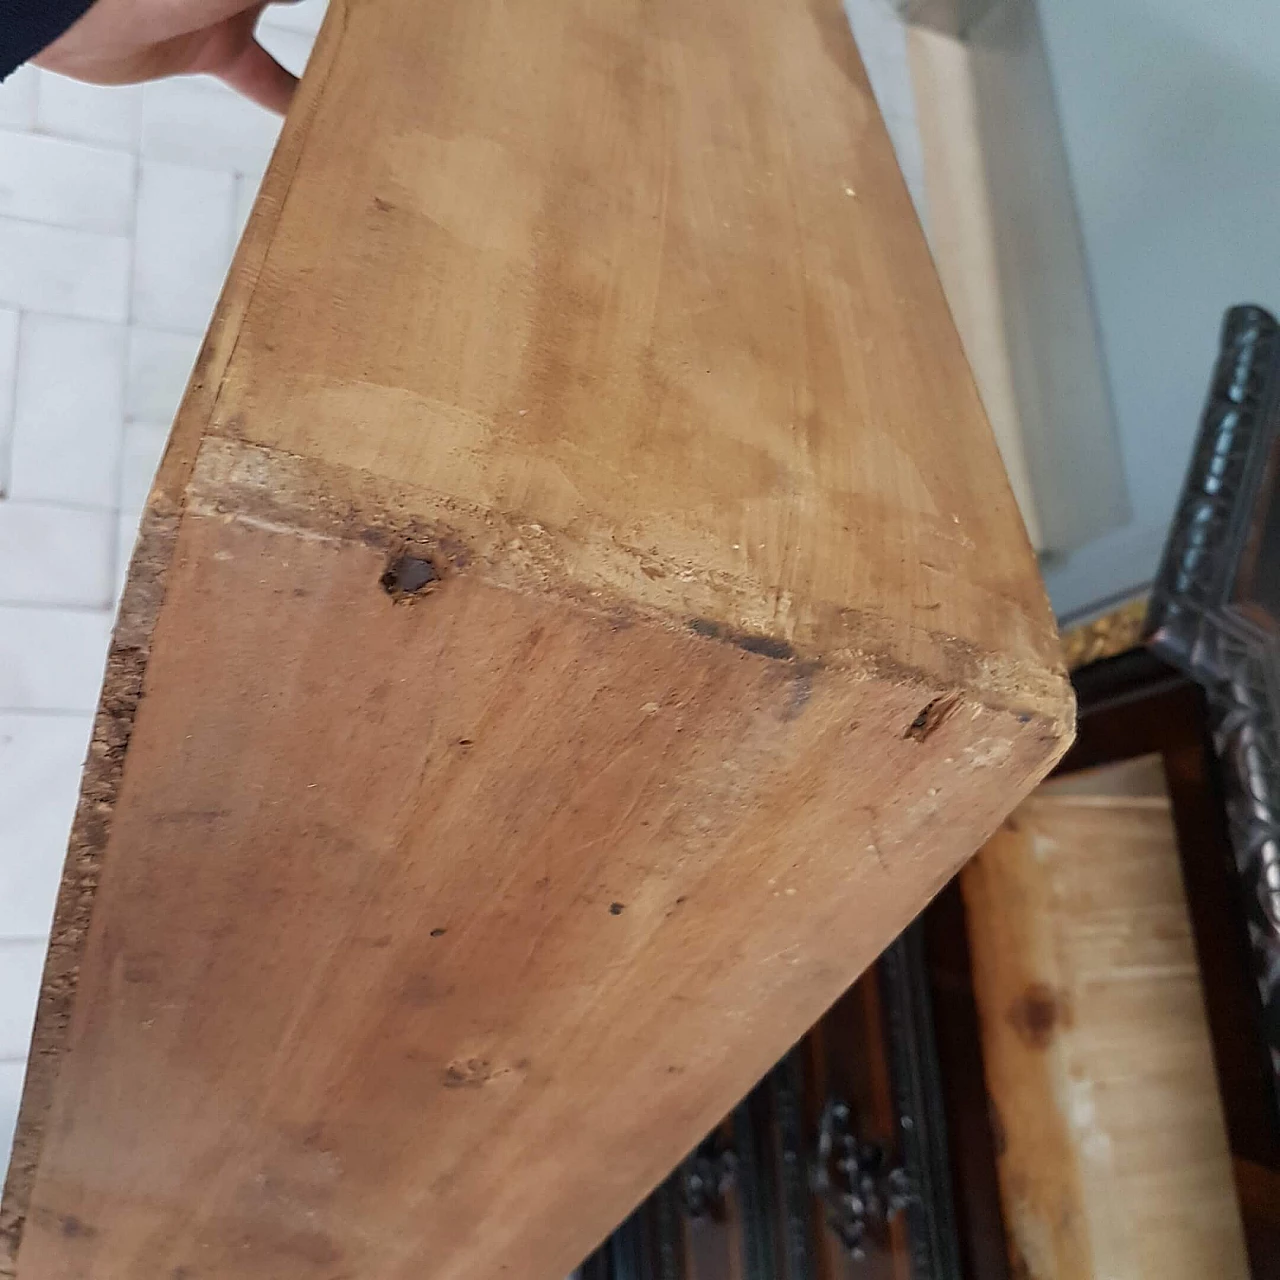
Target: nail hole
{"points": [[408, 575], [616, 908], [437, 933], [931, 717]]}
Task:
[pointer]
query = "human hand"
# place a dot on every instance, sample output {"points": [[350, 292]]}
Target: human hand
{"points": [[127, 41]]}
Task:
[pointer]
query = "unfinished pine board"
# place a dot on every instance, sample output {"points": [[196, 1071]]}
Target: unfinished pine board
{"points": [[963, 240], [580, 619], [1113, 1155], [1006, 237]]}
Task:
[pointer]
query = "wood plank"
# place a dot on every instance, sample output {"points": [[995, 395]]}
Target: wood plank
{"points": [[1113, 1157], [962, 237], [1004, 230], [419, 927]]}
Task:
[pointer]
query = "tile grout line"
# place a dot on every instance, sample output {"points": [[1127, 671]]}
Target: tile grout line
{"points": [[46, 713], [20, 221], [6, 462], [55, 606], [118, 553]]}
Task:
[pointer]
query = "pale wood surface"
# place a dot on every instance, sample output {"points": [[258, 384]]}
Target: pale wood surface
{"points": [[421, 937], [1003, 225], [962, 238], [623, 291], [1113, 1152]]}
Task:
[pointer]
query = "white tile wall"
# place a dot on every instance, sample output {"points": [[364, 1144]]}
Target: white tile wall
{"points": [[23, 958], [159, 364], [65, 184], [119, 209], [194, 121], [144, 443], [67, 429], [11, 1074], [9, 321], [40, 758], [18, 99], [53, 658], [110, 115], [118, 213], [183, 233], [72, 273], [51, 554], [304, 16]]}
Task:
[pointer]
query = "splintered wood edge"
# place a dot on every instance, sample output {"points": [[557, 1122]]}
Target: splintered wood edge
{"points": [[130, 649], [222, 478]]}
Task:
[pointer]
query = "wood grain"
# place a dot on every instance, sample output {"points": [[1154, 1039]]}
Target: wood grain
{"points": [[419, 932], [1113, 1157]]}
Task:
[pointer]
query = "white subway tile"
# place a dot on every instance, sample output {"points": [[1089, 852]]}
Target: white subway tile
{"points": [[106, 114], [73, 273], [181, 253], [40, 762], [126, 536], [52, 659], [66, 184], [18, 99], [69, 414], [144, 444], [12, 1075], [247, 185], [159, 365], [8, 388], [55, 556], [306, 16], [195, 120], [291, 49], [21, 968]]}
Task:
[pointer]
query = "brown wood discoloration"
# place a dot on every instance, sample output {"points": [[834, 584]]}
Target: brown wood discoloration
{"points": [[513, 737]]}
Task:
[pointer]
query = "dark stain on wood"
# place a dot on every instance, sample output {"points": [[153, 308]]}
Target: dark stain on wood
{"points": [[1037, 1014]]}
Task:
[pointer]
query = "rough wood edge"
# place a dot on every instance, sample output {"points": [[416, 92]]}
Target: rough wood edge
{"points": [[82, 871], [254, 484], [124, 678]]}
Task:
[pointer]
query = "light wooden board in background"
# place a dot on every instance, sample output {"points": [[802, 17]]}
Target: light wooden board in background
{"points": [[1113, 1152]]}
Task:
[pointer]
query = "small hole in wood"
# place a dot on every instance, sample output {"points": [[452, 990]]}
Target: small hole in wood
{"points": [[931, 717], [409, 575]]}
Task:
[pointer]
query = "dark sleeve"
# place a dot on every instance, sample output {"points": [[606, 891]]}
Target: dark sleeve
{"points": [[27, 26]]}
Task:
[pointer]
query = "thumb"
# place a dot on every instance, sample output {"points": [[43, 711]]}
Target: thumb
{"points": [[252, 71]]}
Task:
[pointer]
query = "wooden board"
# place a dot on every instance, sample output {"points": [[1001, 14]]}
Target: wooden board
{"points": [[963, 240], [579, 620], [1113, 1155], [1006, 236]]}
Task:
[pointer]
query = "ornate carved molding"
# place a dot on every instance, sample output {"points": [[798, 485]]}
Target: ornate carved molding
{"points": [[706, 1177], [1214, 615], [861, 1191]]}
